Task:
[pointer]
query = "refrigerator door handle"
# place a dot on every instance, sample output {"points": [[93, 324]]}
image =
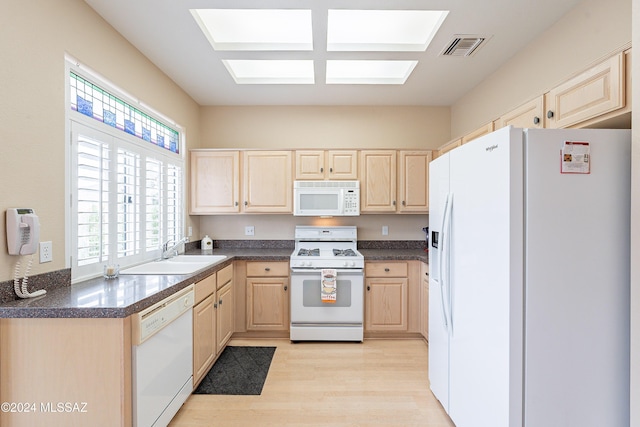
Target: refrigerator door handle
{"points": [[448, 286], [444, 256]]}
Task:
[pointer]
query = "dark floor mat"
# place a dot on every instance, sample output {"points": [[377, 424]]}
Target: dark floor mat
{"points": [[239, 371]]}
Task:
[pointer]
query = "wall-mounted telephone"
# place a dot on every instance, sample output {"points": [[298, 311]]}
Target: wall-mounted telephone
{"points": [[23, 231], [23, 234]]}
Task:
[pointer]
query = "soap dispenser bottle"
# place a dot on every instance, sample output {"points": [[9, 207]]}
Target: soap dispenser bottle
{"points": [[206, 244]]}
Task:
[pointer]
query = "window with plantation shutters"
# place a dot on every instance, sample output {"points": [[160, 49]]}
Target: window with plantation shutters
{"points": [[174, 200], [127, 177], [91, 201], [153, 203], [126, 200]]}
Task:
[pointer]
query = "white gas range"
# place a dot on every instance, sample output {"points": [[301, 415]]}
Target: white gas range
{"points": [[321, 252]]}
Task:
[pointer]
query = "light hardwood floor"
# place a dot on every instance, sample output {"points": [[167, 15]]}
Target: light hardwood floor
{"points": [[375, 383]]}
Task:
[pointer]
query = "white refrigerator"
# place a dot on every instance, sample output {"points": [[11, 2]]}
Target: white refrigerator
{"points": [[529, 279]]}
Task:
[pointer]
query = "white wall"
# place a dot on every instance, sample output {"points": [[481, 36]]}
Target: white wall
{"points": [[34, 36]]}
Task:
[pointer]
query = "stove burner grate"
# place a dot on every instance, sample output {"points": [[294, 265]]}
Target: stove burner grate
{"points": [[309, 252], [344, 252]]}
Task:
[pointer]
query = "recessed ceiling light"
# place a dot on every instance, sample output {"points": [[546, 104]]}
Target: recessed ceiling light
{"points": [[368, 71], [270, 71], [382, 30], [256, 29]]}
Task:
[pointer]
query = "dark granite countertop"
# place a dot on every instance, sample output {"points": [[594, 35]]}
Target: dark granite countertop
{"points": [[395, 255], [129, 294]]}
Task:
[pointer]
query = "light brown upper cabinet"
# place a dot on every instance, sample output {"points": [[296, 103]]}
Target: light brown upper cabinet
{"points": [[528, 115], [377, 181], [596, 91], [449, 146], [267, 181], [413, 176], [326, 164], [215, 182], [483, 130]]}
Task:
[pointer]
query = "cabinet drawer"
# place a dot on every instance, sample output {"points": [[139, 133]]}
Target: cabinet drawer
{"points": [[225, 275], [204, 288], [267, 269], [386, 269]]}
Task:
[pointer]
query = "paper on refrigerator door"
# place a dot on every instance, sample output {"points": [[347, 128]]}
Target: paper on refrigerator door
{"points": [[576, 157]]}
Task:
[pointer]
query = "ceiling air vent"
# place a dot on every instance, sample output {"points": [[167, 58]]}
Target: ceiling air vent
{"points": [[463, 45]]}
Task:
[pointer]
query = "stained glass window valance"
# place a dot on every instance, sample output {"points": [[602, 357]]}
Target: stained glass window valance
{"points": [[93, 101]]}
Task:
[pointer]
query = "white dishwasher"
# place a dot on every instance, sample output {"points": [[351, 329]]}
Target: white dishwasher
{"points": [[162, 359]]}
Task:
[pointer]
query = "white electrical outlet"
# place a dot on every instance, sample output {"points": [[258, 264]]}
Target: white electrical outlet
{"points": [[385, 230], [190, 232], [249, 230], [46, 252]]}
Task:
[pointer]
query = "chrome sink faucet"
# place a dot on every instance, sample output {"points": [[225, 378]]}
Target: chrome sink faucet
{"points": [[171, 251]]}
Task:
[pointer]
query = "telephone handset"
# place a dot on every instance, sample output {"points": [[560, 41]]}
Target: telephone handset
{"points": [[23, 231], [23, 234]]}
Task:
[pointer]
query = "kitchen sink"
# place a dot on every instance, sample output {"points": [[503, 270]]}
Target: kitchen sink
{"points": [[181, 264], [207, 259]]}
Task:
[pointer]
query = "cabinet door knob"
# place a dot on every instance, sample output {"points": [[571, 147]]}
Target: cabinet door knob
{"points": [[236, 203], [330, 169], [321, 169], [386, 269], [267, 269], [285, 288], [403, 203], [215, 305], [246, 203], [536, 120], [368, 288], [394, 203], [549, 114]]}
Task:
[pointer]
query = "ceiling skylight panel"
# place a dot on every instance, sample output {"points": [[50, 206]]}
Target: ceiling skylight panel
{"points": [[256, 29], [369, 71], [382, 30], [247, 71]]}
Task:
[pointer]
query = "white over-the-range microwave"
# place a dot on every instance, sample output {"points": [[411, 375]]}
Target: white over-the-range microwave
{"points": [[326, 198]]}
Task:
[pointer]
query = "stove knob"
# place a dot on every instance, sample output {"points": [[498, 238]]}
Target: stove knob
{"points": [[345, 264]]}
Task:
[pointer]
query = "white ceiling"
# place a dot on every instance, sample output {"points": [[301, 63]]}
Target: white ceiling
{"points": [[166, 33]]}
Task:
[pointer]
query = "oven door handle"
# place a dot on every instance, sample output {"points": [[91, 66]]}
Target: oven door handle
{"points": [[318, 270]]}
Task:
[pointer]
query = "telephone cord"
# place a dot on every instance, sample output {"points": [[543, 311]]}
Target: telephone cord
{"points": [[21, 288]]}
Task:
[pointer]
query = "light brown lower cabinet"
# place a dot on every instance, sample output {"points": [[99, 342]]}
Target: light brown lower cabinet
{"points": [[204, 343], [386, 289], [424, 302], [213, 317], [224, 316], [267, 286]]}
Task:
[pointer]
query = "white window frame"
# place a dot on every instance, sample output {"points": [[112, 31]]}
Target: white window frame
{"points": [[78, 124]]}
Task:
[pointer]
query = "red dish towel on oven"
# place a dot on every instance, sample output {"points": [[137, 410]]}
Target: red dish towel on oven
{"points": [[328, 282]]}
